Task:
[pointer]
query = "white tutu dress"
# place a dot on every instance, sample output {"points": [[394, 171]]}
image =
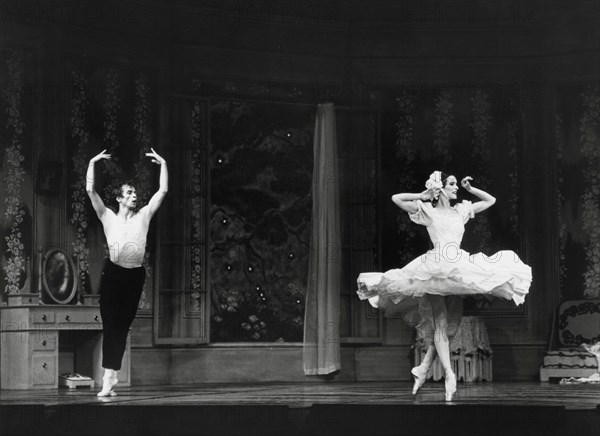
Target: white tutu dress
{"points": [[445, 270]]}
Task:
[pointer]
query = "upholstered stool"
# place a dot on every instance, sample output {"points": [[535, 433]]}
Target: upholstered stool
{"points": [[577, 322]]}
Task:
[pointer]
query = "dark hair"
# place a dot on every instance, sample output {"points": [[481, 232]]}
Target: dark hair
{"points": [[117, 190], [434, 201]]}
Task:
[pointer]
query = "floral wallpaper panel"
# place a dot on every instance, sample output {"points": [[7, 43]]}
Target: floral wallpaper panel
{"points": [[577, 139]]}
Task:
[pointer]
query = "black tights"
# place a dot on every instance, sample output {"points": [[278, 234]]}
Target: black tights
{"points": [[120, 292]]}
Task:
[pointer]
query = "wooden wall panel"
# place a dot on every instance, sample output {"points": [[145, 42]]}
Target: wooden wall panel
{"points": [[235, 364], [517, 362], [384, 363]]}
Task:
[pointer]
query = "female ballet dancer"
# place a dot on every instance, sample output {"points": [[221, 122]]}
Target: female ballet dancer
{"points": [[430, 288]]}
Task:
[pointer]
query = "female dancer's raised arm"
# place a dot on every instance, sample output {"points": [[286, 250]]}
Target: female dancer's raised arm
{"points": [[487, 200], [406, 200]]}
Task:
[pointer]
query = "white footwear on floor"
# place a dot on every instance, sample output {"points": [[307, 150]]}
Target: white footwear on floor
{"points": [[420, 375], [108, 383], [450, 384]]}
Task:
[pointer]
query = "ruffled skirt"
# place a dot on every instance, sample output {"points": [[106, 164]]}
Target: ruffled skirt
{"points": [[502, 275]]}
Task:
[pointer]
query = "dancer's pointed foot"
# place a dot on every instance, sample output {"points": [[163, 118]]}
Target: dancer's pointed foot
{"points": [[419, 374], [108, 383], [450, 384]]}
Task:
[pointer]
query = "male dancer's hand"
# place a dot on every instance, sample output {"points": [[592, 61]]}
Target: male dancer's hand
{"points": [[155, 157], [99, 156]]}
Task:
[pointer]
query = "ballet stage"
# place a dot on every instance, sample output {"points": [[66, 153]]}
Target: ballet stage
{"points": [[315, 408]]}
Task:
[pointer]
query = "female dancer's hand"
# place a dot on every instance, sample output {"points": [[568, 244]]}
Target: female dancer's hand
{"points": [[466, 184], [430, 194]]}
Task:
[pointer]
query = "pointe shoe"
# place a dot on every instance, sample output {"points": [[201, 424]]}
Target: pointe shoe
{"points": [[450, 384], [420, 375], [108, 383]]}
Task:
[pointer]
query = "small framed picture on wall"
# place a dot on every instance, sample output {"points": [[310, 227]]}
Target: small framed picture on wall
{"points": [[49, 175]]}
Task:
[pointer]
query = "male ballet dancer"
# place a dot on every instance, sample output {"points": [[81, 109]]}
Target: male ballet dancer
{"points": [[123, 275]]}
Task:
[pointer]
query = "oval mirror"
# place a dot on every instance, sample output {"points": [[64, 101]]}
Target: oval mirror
{"points": [[59, 277]]}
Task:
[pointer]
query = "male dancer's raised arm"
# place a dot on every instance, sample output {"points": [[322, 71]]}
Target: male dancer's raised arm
{"points": [[97, 202], [163, 187]]}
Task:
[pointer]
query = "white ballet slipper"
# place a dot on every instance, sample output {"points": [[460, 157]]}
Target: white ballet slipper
{"points": [[420, 375], [450, 384], [108, 383]]}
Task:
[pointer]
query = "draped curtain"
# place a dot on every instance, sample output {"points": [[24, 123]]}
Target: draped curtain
{"points": [[322, 314]]}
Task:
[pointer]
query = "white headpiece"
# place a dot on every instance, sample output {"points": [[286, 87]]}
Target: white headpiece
{"points": [[435, 182]]}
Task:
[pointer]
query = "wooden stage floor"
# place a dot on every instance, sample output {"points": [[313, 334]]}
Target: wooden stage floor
{"points": [[307, 408]]}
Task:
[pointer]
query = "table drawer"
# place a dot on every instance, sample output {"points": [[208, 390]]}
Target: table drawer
{"points": [[44, 370], [43, 317], [76, 317], [43, 340]]}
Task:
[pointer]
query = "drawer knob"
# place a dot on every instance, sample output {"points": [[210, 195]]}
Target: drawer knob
{"points": [[68, 318], [44, 317], [44, 343], [96, 318], [44, 365]]}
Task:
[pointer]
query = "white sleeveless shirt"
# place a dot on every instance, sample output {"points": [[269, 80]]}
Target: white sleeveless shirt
{"points": [[126, 239]]}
